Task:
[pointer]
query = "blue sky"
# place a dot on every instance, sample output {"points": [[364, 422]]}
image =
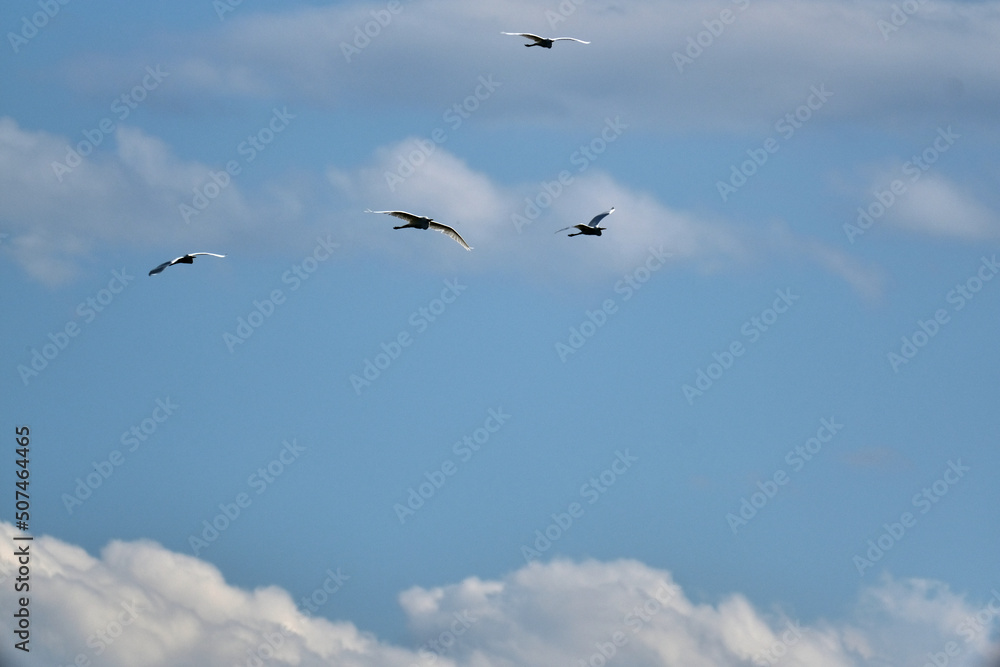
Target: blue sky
{"points": [[762, 401]]}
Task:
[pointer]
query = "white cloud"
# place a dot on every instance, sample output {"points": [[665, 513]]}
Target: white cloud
{"points": [[512, 226], [125, 197], [140, 605], [867, 280], [759, 66], [936, 206], [130, 199]]}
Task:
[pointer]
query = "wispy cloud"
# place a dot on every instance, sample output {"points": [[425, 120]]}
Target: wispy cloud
{"points": [[494, 218], [135, 195], [936, 206], [125, 196], [767, 58]]}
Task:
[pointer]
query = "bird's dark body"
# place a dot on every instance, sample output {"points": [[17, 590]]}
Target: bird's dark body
{"points": [[544, 42], [592, 228], [588, 231], [186, 259], [418, 222]]}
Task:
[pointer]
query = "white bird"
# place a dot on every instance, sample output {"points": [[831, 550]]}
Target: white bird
{"points": [[185, 259], [420, 222], [591, 228], [544, 42]]}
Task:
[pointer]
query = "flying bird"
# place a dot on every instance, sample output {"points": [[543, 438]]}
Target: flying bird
{"points": [[420, 222], [544, 42], [591, 228], [185, 259]]}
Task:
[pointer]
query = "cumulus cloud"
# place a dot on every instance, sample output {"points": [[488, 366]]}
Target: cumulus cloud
{"points": [[140, 605]]}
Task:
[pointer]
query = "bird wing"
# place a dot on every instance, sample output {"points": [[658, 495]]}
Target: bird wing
{"points": [[160, 268], [445, 229], [402, 215], [601, 216], [570, 227], [572, 39], [524, 34]]}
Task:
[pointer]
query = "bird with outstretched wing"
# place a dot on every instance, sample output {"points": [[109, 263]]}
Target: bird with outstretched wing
{"points": [[422, 222], [544, 42], [591, 228], [183, 259]]}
